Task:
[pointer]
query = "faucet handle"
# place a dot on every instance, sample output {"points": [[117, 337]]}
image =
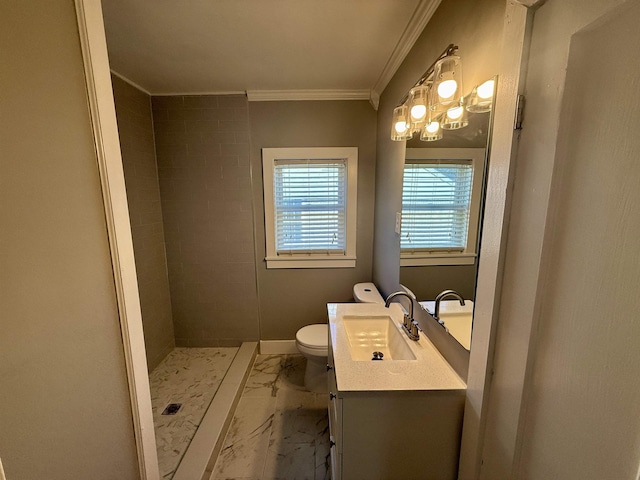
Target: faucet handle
{"points": [[415, 328], [407, 320]]}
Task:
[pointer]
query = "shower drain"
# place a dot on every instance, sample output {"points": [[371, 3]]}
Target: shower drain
{"points": [[172, 409]]}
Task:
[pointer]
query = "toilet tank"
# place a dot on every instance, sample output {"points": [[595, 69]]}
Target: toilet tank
{"points": [[366, 293]]}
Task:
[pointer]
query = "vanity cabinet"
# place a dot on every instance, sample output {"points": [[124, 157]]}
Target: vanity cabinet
{"points": [[390, 434]]}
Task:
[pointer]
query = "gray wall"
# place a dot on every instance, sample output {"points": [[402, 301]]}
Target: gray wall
{"points": [[135, 128], [202, 148], [476, 27], [427, 282], [292, 298], [566, 365], [63, 386]]}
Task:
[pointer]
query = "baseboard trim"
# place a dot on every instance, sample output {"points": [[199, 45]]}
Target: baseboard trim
{"points": [[278, 347]]}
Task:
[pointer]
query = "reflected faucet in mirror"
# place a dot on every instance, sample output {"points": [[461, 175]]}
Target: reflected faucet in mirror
{"points": [[441, 296]]}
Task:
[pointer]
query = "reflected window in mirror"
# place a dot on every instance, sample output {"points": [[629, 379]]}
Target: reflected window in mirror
{"points": [[429, 273], [441, 200]]}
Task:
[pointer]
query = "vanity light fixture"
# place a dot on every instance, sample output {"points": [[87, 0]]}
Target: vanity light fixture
{"points": [[432, 131], [401, 124], [447, 83], [419, 106], [435, 102], [414, 112]]}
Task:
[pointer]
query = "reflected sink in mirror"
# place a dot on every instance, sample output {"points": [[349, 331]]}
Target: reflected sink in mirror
{"points": [[457, 319], [368, 334]]}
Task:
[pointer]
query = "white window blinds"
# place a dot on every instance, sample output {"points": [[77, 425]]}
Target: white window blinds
{"points": [[310, 202], [436, 202]]}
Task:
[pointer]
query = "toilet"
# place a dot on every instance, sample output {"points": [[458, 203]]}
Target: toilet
{"points": [[367, 293], [312, 341]]}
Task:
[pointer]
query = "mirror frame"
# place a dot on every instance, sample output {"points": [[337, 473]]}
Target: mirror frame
{"points": [[515, 46]]}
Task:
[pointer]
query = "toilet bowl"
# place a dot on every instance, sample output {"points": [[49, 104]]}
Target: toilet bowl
{"points": [[313, 342]]}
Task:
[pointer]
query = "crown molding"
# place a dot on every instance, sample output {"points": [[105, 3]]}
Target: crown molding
{"points": [[530, 3], [187, 94], [126, 80], [172, 94], [374, 99], [299, 95], [421, 16]]}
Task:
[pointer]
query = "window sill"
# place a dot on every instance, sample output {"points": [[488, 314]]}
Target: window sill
{"points": [[425, 259], [310, 262]]}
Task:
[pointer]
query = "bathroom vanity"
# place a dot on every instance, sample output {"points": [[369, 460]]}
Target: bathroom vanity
{"points": [[399, 417]]}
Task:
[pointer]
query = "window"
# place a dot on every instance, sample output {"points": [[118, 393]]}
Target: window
{"points": [[310, 206], [441, 198]]}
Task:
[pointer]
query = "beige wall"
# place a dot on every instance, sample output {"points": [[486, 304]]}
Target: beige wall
{"points": [[292, 298], [63, 386], [202, 147], [476, 27], [566, 363], [135, 128]]}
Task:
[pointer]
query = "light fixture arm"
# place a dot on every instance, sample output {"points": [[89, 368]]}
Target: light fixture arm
{"points": [[450, 50]]}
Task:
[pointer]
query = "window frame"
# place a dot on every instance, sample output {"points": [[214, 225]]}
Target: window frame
{"points": [[347, 259], [476, 156]]}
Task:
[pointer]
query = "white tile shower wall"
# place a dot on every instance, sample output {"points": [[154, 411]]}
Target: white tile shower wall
{"points": [[202, 145]]}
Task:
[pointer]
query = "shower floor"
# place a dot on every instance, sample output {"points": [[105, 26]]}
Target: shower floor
{"points": [[191, 377]]}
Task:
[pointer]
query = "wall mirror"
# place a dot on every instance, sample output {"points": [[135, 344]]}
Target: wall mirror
{"points": [[442, 208]]}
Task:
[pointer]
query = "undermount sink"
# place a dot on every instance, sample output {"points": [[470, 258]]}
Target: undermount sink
{"points": [[371, 333]]}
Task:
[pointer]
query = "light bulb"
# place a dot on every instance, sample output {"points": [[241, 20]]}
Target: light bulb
{"points": [[401, 127], [418, 111], [432, 127], [455, 113], [486, 89], [447, 88]]}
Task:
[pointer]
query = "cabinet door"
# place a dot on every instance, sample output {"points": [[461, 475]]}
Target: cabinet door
{"points": [[336, 461]]}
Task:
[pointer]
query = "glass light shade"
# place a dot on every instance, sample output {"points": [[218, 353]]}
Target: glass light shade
{"points": [[481, 98], [418, 104], [431, 131], [447, 83], [401, 124], [455, 118]]}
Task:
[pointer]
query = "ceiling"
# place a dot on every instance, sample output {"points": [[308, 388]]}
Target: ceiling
{"points": [[337, 48]]}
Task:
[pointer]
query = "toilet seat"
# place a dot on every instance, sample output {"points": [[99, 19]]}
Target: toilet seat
{"points": [[314, 337]]}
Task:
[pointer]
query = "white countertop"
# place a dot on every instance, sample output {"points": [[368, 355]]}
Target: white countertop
{"points": [[429, 371]]}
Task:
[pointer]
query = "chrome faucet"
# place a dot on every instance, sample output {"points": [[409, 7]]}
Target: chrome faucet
{"points": [[410, 326], [441, 296]]}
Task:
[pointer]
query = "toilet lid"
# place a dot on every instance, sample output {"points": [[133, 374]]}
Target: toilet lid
{"points": [[314, 336]]}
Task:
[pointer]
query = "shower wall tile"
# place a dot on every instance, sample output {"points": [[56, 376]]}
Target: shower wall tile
{"points": [[202, 147], [135, 128]]}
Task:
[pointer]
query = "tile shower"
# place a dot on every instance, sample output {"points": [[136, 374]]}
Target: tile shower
{"points": [[189, 377], [186, 165]]}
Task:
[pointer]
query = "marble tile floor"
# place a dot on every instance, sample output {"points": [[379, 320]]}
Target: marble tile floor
{"points": [[190, 376], [280, 431]]}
